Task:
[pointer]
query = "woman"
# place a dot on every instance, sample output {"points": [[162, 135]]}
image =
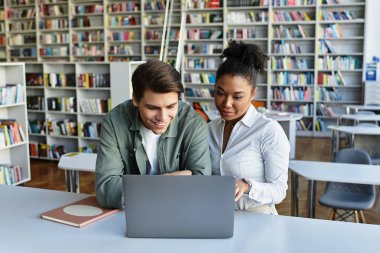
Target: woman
{"points": [[243, 142]]}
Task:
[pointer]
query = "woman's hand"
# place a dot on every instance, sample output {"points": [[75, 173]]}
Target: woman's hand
{"points": [[241, 188], [179, 173]]}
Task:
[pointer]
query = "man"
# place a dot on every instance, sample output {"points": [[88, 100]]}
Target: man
{"points": [[154, 134]]}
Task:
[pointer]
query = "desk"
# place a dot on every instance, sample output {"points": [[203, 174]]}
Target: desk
{"points": [[72, 163], [328, 171], [357, 108], [352, 131], [23, 231], [360, 117], [288, 123]]}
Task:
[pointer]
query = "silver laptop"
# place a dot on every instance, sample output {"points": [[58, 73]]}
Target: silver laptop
{"points": [[179, 206]]}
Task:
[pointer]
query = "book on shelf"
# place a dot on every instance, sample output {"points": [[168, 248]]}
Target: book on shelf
{"points": [[10, 174], [79, 213]]}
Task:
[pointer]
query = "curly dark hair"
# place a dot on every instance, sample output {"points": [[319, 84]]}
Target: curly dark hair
{"points": [[245, 60]]}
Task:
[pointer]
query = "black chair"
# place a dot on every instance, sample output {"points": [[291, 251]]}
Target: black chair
{"points": [[352, 198]]}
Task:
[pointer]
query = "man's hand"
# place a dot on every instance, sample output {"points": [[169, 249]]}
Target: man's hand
{"points": [[179, 173], [241, 188]]}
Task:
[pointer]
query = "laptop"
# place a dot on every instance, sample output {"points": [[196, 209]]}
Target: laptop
{"points": [[179, 206]]}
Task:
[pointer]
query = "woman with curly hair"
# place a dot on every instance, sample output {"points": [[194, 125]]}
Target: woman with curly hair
{"points": [[243, 142]]}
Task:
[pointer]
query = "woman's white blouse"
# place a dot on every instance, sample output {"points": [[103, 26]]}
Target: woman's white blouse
{"points": [[257, 150]]}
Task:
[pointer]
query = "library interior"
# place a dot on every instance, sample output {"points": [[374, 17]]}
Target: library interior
{"points": [[65, 64]]}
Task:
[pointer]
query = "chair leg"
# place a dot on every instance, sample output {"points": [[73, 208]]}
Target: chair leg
{"points": [[361, 215], [332, 214], [357, 220]]}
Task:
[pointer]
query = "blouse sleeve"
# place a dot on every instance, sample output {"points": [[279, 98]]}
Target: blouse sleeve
{"points": [[275, 149]]}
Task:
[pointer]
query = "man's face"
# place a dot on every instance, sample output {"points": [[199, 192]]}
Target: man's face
{"points": [[157, 110]]}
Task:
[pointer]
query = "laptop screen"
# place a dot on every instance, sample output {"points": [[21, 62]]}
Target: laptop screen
{"points": [[179, 206]]}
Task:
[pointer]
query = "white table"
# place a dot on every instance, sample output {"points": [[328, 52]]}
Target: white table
{"points": [[360, 117], [288, 123], [73, 163], [22, 230], [351, 131], [357, 108], [328, 171]]}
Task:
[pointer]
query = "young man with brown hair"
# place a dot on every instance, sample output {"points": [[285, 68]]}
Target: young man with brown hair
{"points": [[154, 134]]}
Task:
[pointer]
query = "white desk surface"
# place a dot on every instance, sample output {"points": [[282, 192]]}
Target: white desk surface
{"points": [[78, 161], [22, 230], [283, 116], [360, 117], [364, 107], [337, 172], [357, 130]]}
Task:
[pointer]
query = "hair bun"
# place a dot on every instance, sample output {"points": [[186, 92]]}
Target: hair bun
{"points": [[249, 54]]}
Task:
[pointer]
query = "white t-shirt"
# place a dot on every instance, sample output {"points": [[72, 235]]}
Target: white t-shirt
{"points": [[149, 142]]}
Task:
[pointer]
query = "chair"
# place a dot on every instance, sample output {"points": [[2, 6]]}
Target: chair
{"points": [[352, 198]]}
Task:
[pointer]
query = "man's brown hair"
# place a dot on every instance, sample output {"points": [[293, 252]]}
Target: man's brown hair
{"points": [[157, 76]]}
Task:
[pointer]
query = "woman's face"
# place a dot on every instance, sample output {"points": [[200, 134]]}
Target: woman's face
{"points": [[233, 96]]}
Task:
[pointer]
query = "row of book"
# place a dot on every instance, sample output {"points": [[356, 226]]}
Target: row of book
{"points": [[204, 18], [88, 50], [235, 17], [35, 103], [123, 7], [90, 148], [11, 94], [10, 174], [325, 110], [241, 33], [327, 94], [200, 78], [122, 50], [196, 34], [201, 63], [288, 78], [157, 34], [91, 21], [331, 79], [199, 92], [36, 126], [67, 127], [88, 36], [286, 48], [154, 19], [22, 26], [291, 94], [54, 51], [339, 63], [282, 32], [202, 4], [88, 9], [117, 21], [20, 39], [288, 16], [11, 132], [59, 79], [34, 79], [325, 47], [54, 38], [289, 63], [304, 109], [23, 52], [15, 13], [203, 48], [154, 5], [43, 150], [122, 36], [93, 80], [248, 3], [292, 2], [90, 129], [337, 15], [331, 31], [62, 104], [304, 125], [96, 105], [52, 10], [51, 24]]}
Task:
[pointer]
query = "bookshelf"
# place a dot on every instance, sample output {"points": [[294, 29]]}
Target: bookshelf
{"points": [[310, 42], [67, 103], [14, 149]]}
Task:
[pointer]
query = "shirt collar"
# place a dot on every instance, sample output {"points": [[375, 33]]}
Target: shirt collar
{"points": [[248, 118]]}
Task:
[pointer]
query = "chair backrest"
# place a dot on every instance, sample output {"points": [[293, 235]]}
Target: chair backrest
{"points": [[353, 155], [368, 125], [366, 113]]}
